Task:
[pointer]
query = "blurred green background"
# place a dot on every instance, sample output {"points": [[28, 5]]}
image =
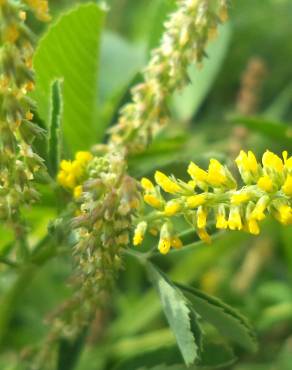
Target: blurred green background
{"points": [[240, 99]]}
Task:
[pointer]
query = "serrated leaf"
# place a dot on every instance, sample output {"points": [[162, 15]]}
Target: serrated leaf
{"points": [[187, 102], [181, 318], [55, 137], [70, 50], [226, 319]]}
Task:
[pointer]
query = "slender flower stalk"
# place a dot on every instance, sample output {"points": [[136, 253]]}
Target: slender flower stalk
{"points": [[184, 41], [213, 195], [18, 162]]}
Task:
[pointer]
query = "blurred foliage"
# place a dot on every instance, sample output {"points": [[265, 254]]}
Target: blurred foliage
{"points": [[252, 274]]}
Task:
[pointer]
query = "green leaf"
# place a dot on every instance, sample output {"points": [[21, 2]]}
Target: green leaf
{"points": [[55, 130], [70, 50], [216, 356], [276, 131], [187, 102], [117, 55], [226, 319], [181, 318]]}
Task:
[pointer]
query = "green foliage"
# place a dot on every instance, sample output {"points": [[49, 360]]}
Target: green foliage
{"points": [[227, 320], [181, 318], [70, 50]]}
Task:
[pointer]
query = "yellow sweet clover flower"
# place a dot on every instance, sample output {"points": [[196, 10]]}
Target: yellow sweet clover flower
{"points": [[266, 190], [166, 183], [147, 184], [139, 233], [71, 173]]}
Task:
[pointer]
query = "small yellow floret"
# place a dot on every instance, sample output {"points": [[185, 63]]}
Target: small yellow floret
{"points": [[216, 173], [197, 173], [285, 214], [202, 217], [287, 187], [176, 242], [196, 200], [171, 208], [83, 157], [77, 191], [203, 235], [146, 184], [164, 245], [166, 183], [239, 198], [139, 233], [234, 220], [152, 200], [253, 226], [271, 160], [221, 222], [265, 183]]}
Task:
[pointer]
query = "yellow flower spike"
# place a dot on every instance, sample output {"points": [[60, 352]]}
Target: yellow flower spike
{"points": [[287, 187], [239, 198], [152, 200], [253, 226], [146, 184], [271, 160], [176, 242], [203, 235], [83, 157], [265, 183], [216, 173], [196, 200], [234, 219], [172, 208], [166, 183], [202, 217], [77, 191], [139, 233], [197, 173], [164, 245]]}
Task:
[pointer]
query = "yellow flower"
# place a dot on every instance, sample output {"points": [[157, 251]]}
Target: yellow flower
{"points": [[253, 226], [166, 184], [164, 245], [139, 233], [197, 173], [196, 200], [152, 200], [216, 173], [271, 160], [146, 184], [258, 212], [247, 165], [265, 183], [239, 198], [221, 222], [203, 235], [83, 157], [77, 191], [234, 220], [287, 187], [285, 214], [171, 208], [176, 242], [202, 217]]}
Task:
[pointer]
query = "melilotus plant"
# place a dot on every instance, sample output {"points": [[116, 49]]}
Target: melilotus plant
{"points": [[52, 151]]}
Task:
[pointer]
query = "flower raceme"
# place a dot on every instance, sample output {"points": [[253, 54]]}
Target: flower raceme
{"points": [[214, 195]]}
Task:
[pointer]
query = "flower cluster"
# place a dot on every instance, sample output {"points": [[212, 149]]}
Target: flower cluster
{"points": [[184, 41], [105, 203], [73, 173], [18, 162], [214, 195]]}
